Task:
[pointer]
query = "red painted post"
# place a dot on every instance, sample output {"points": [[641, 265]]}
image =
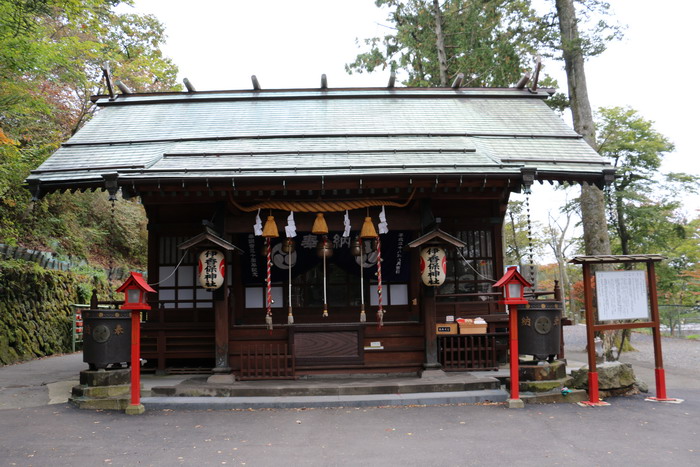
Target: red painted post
{"points": [[514, 364], [661, 384], [593, 395], [659, 372], [135, 357]]}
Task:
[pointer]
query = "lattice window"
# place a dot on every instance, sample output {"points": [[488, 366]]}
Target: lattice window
{"points": [[471, 269]]}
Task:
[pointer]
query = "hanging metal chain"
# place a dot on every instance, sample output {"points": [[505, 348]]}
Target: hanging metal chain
{"points": [[112, 218], [530, 251], [609, 198]]}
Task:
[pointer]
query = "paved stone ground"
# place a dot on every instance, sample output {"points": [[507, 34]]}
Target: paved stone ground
{"points": [[628, 432]]}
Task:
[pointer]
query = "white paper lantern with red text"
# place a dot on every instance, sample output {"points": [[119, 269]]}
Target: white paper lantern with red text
{"points": [[433, 266], [211, 269]]}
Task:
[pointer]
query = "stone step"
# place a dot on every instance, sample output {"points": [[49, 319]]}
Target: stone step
{"points": [[101, 392], [555, 397], [546, 386], [110, 403], [198, 387], [366, 400]]}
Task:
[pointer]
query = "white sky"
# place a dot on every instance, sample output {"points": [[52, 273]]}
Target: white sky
{"points": [[289, 43]]}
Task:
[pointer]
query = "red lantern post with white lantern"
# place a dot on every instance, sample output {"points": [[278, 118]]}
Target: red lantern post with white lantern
{"points": [[135, 289], [514, 285]]}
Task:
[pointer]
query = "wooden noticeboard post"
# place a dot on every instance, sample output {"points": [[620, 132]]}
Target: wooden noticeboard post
{"points": [[622, 295]]}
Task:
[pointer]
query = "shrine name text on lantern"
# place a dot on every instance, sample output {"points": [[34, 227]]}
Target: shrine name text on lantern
{"points": [[433, 266], [211, 269]]}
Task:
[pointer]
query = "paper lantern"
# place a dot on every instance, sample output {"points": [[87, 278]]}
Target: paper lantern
{"points": [[211, 269], [433, 266]]}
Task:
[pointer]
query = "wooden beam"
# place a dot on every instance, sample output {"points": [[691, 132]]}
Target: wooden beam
{"points": [[188, 85], [458, 81], [536, 78], [123, 87], [108, 79], [523, 81]]}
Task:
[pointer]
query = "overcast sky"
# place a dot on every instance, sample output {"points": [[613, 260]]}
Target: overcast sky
{"points": [[289, 43]]}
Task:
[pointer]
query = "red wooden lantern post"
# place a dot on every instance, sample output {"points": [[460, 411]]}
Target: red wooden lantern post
{"points": [[135, 289], [513, 284]]}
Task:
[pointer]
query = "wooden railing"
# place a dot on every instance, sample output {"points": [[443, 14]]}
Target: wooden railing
{"points": [[267, 361], [469, 351]]}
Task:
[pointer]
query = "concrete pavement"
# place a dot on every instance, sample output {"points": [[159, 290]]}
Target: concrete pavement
{"points": [[37, 430], [49, 380]]}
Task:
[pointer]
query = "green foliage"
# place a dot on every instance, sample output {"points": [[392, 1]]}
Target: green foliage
{"points": [[596, 28], [51, 53], [488, 41], [644, 203]]}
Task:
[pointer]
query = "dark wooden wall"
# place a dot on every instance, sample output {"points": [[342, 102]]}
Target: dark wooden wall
{"points": [[185, 337]]}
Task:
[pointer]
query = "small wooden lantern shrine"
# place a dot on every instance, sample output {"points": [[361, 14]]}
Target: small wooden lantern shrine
{"points": [[514, 285], [135, 289]]}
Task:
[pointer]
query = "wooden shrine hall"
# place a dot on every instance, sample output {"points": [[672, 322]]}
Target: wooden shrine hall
{"points": [[308, 214]]}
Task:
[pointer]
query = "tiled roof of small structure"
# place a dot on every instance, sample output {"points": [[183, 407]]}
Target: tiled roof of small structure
{"points": [[323, 132]]}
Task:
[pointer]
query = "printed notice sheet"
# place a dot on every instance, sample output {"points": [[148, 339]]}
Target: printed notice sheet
{"points": [[621, 295]]}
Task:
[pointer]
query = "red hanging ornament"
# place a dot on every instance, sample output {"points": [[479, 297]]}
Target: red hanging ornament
{"points": [[268, 301], [380, 309]]}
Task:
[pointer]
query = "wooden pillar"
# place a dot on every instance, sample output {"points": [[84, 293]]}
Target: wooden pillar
{"points": [[221, 371], [431, 350], [221, 327]]}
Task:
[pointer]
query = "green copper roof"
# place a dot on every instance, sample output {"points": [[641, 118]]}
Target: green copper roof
{"points": [[350, 132]]}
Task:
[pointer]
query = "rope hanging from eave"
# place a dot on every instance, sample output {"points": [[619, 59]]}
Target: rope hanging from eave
{"points": [[319, 206]]}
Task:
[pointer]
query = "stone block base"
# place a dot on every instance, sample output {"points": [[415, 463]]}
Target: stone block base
{"points": [[102, 390], [105, 377], [135, 409], [543, 372]]}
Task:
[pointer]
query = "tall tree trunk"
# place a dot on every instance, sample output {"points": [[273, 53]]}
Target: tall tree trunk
{"points": [[622, 230], [595, 228], [440, 42]]}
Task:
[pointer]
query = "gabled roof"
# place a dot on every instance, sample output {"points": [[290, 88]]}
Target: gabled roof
{"points": [[510, 275], [178, 137], [135, 277], [208, 238], [437, 236]]}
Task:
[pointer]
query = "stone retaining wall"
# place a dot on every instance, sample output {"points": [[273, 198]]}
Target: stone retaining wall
{"points": [[35, 309]]}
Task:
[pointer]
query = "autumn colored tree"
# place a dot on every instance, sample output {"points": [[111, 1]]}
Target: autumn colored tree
{"points": [[51, 53]]}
